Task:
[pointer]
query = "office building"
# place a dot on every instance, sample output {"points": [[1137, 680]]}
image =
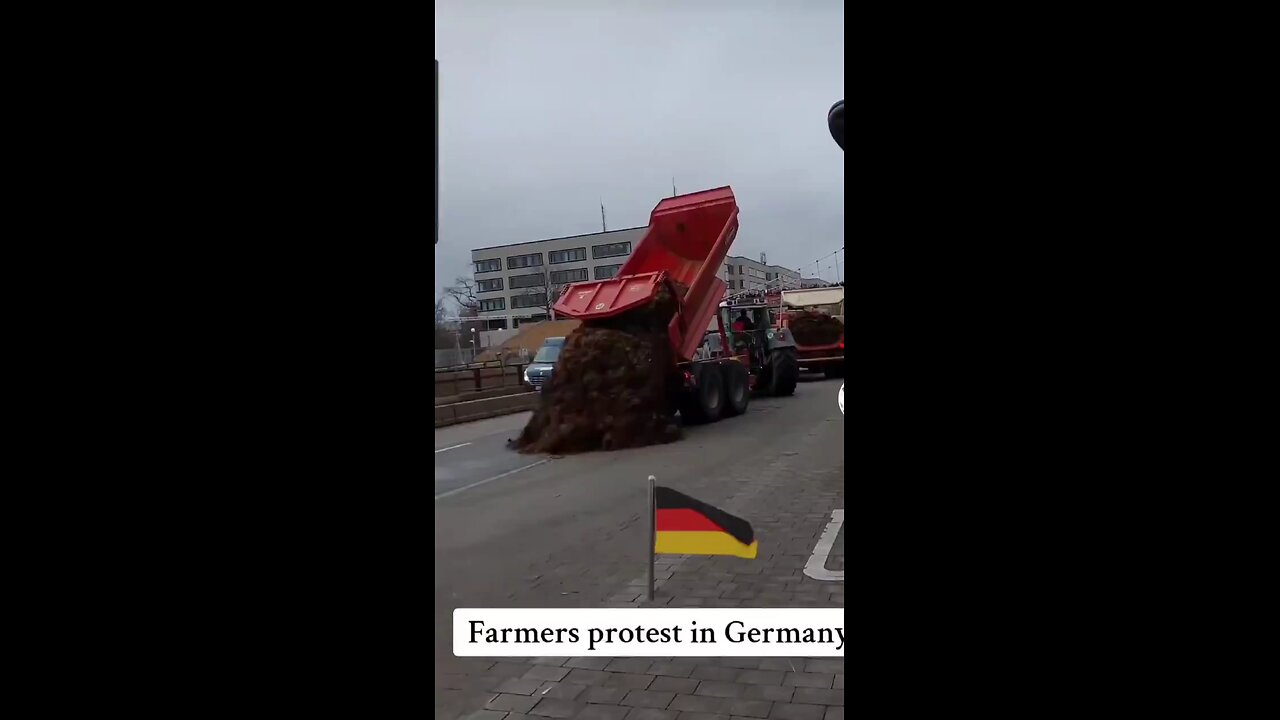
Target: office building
{"points": [[517, 283]]}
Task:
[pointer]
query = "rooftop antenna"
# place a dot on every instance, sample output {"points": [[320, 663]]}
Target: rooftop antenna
{"points": [[603, 226], [673, 186]]}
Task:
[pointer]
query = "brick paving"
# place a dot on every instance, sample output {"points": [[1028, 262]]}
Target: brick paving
{"points": [[789, 511]]}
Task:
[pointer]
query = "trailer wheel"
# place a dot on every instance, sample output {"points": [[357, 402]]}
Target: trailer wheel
{"points": [[706, 403], [737, 388], [785, 372]]}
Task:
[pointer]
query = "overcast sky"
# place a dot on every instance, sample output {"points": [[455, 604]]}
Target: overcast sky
{"points": [[548, 107]]}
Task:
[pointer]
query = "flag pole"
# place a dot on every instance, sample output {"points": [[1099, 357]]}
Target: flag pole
{"points": [[652, 534]]}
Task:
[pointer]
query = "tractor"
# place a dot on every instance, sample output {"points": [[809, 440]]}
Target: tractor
{"points": [[768, 353]]}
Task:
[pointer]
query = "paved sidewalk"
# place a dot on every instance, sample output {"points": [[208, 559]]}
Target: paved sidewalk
{"points": [[789, 504]]}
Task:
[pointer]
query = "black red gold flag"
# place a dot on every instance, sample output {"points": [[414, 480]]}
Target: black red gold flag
{"points": [[687, 526]]}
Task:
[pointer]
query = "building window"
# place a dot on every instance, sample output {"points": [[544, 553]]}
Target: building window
{"points": [[524, 261], [489, 285], [498, 324], [564, 256], [728, 268], [610, 250], [530, 300], [604, 272], [528, 281], [495, 304], [568, 276], [483, 266]]}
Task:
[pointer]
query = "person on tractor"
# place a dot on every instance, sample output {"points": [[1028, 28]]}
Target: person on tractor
{"points": [[743, 323]]}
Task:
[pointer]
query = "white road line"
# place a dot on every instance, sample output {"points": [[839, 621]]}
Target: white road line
{"points": [[816, 568], [489, 480], [452, 447]]}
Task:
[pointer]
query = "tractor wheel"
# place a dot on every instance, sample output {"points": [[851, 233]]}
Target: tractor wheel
{"points": [[737, 388], [785, 372], [706, 403]]}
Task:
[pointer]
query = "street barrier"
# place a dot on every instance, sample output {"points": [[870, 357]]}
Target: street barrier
{"points": [[479, 395], [479, 409], [475, 379]]}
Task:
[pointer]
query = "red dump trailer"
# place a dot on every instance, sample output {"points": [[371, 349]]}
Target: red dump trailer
{"points": [[828, 358], [687, 241]]}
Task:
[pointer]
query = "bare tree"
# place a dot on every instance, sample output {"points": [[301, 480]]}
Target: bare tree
{"points": [[463, 292]]}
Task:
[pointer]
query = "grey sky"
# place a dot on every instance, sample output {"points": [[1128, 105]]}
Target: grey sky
{"points": [[547, 107]]}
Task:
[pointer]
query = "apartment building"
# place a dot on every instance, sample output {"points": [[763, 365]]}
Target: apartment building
{"points": [[516, 283]]}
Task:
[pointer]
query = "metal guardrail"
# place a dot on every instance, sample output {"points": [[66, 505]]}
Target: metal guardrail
{"points": [[469, 366], [490, 365], [462, 380]]}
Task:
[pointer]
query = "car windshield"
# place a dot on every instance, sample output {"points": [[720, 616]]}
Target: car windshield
{"points": [[547, 354]]}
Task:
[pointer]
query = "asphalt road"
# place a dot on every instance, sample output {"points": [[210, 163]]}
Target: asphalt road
{"points": [[518, 530], [477, 452]]}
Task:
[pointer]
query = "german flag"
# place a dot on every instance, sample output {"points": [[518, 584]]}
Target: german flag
{"points": [[685, 526]]}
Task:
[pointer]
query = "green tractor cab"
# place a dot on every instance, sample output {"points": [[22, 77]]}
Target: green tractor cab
{"points": [[748, 332]]}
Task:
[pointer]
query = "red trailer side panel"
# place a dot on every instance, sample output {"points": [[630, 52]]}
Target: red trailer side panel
{"points": [[606, 298]]}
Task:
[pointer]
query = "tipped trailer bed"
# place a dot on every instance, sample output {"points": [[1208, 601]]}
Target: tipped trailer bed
{"points": [[687, 241]]}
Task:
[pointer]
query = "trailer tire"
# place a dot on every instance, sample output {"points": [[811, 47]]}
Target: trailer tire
{"points": [[737, 390], [785, 372], [706, 403]]}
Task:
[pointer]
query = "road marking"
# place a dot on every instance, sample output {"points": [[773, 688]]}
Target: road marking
{"points": [[816, 568], [452, 447], [489, 480]]}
